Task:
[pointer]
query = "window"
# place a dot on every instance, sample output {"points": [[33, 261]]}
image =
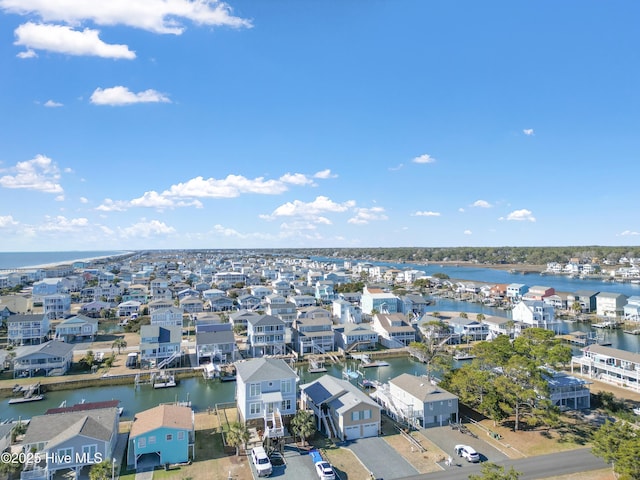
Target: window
{"points": [[169, 437], [366, 415], [142, 442], [355, 416], [152, 439], [286, 405], [254, 408], [89, 451], [285, 386], [180, 435], [63, 454], [254, 389]]}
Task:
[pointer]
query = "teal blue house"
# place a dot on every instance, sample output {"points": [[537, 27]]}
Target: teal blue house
{"points": [[162, 435]]}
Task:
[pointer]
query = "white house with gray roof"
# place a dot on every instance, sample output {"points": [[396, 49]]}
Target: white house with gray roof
{"points": [[49, 358], [415, 400], [70, 442], [266, 335], [75, 328], [266, 389]]}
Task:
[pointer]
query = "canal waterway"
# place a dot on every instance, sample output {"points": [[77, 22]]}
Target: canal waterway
{"points": [[202, 394]]}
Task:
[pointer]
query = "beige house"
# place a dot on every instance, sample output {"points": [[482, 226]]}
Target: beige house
{"points": [[341, 409]]}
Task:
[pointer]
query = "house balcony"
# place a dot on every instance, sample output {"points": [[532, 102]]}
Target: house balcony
{"points": [[35, 474]]}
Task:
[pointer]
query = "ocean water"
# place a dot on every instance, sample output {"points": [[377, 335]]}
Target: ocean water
{"points": [[12, 260]]}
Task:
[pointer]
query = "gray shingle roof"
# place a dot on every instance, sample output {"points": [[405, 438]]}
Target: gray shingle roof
{"points": [[262, 369], [56, 428]]}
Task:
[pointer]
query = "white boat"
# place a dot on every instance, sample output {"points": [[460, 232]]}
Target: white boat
{"points": [[164, 381]]}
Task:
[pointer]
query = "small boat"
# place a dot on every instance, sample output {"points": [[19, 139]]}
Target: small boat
{"points": [[164, 381]]}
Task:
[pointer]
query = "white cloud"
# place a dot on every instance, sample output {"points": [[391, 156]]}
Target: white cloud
{"points": [[109, 205], [461, 210], [40, 173], [146, 229], [425, 213], [155, 200], [7, 221], [396, 168], [311, 210], [426, 158], [296, 179], [629, 233], [528, 132], [158, 16], [467, 232], [324, 174], [63, 224], [366, 215], [481, 204], [520, 216], [120, 95], [27, 54], [229, 187], [59, 198], [52, 104], [63, 39], [84, 200]]}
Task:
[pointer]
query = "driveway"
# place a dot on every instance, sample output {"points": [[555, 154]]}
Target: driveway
{"points": [[297, 466], [446, 438], [380, 458]]}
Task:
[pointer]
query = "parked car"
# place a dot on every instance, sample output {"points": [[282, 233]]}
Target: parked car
{"points": [[467, 452], [261, 461], [323, 468]]}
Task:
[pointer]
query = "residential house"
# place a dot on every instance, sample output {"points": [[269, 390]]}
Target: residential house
{"points": [[249, 302], [414, 400], [70, 442], [167, 317], [160, 346], [467, 328], [355, 337], [5, 435], [313, 334], [191, 305], [609, 365], [221, 304], [266, 390], [277, 306], [585, 298], [538, 292], [301, 301], [557, 301], [125, 309], [164, 434], [515, 291], [49, 286], [376, 300], [261, 291], [632, 309], [535, 313], [341, 409], [49, 358], [78, 327], [240, 318], [266, 335], [324, 291], [346, 312], [160, 304], [566, 391], [27, 329], [503, 326], [57, 305], [393, 329], [609, 304], [94, 309], [216, 345], [414, 304]]}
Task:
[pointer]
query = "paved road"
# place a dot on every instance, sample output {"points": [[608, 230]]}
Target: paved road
{"points": [[532, 468]]}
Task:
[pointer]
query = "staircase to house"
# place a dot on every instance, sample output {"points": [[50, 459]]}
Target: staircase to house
{"points": [[168, 360], [273, 426]]}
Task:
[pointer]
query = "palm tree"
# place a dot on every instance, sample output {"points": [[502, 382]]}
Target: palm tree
{"points": [[119, 343], [480, 317], [303, 424], [237, 435]]}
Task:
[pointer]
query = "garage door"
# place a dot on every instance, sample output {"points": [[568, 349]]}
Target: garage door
{"points": [[370, 430], [352, 433]]}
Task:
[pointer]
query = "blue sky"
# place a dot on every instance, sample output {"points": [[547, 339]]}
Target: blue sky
{"points": [[139, 124]]}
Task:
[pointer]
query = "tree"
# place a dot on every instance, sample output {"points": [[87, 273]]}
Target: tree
{"points": [[491, 471], [618, 443], [464, 315], [480, 317], [119, 343], [101, 471], [303, 424], [88, 359], [237, 435]]}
